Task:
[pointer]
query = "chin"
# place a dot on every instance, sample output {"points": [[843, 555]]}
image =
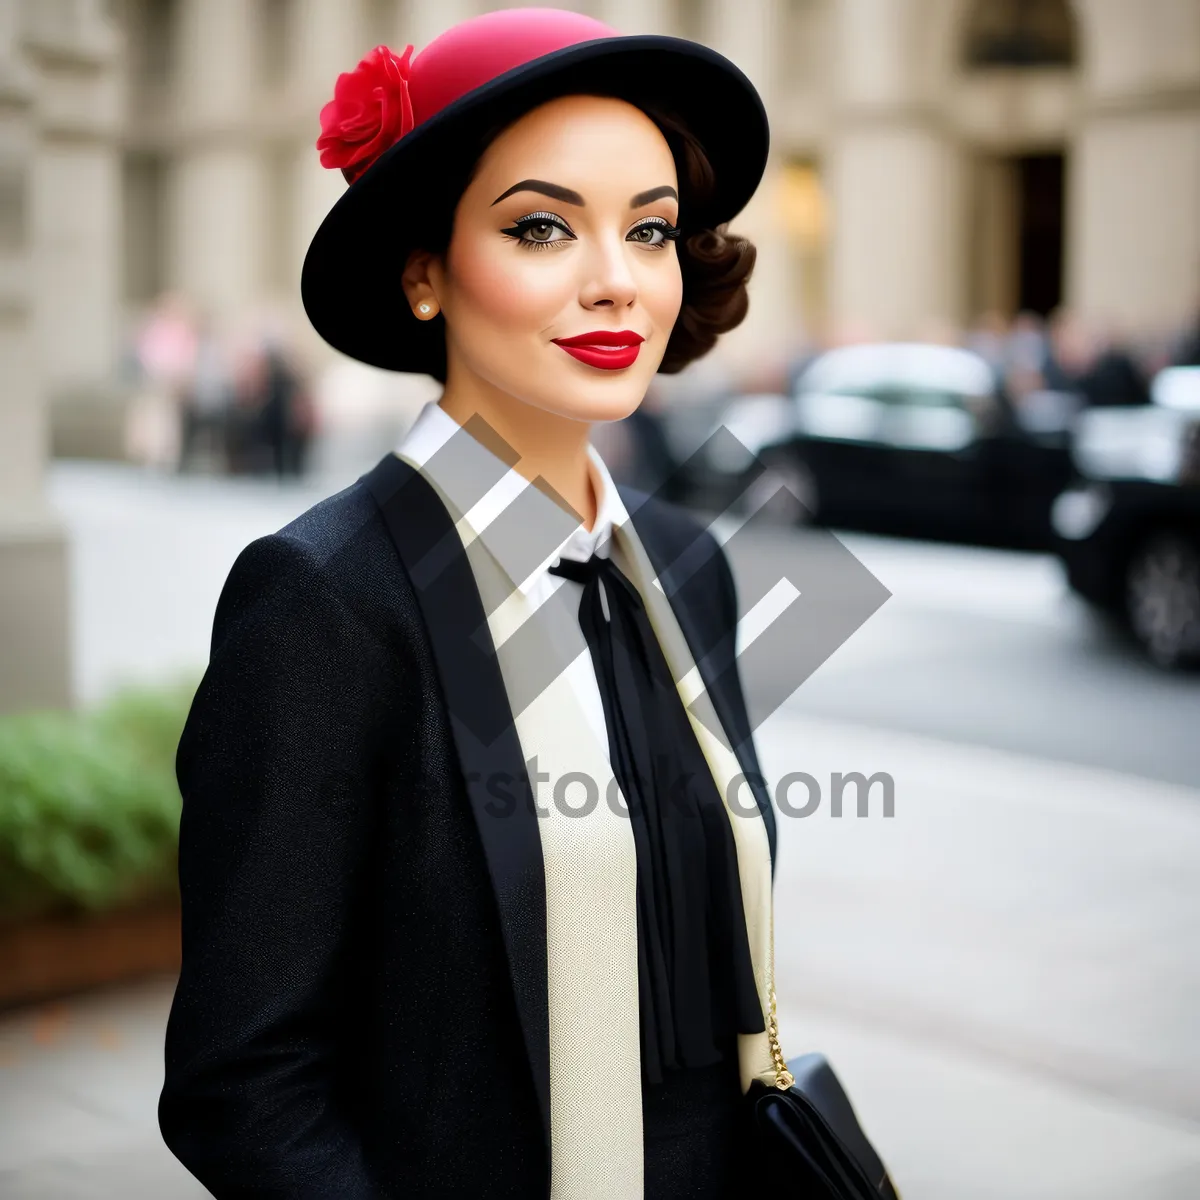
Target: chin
{"points": [[605, 396], [606, 404]]}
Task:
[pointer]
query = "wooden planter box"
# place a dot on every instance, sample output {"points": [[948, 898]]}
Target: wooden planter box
{"points": [[55, 956]]}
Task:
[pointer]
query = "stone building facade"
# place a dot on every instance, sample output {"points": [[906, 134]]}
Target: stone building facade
{"points": [[60, 113], [933, 158]]}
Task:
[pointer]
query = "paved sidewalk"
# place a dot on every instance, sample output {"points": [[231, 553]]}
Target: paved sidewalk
{"points": [[79, 1084], [1002, 973]]}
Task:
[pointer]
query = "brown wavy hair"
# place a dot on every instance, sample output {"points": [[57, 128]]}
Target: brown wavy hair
{"points": [[715, 264]]}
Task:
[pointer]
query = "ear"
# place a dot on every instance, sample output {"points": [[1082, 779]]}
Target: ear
{"points": [[421, 281]]}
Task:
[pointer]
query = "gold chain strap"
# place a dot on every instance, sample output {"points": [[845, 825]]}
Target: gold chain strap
{"points": [[783, 1077]]}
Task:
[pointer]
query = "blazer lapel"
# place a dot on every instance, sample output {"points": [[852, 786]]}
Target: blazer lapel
{"points": [[686, 574], [485, 738], [716, 734]]}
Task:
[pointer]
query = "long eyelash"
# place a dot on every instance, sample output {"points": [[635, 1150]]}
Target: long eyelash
{"points": [[538, 218], [670, 232]]}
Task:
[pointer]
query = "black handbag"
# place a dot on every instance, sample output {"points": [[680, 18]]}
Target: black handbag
{"points": [[804, 1128]]}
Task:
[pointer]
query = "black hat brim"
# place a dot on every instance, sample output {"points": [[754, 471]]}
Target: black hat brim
{"points": [[350, 282]]}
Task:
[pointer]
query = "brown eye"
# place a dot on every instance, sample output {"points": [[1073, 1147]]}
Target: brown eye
{"points": [[540, 229], [655, 232]]}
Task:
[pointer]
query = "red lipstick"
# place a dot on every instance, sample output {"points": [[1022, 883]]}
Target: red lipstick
{"points": [[603, 348]]}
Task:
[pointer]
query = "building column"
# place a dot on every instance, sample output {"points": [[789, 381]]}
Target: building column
{"points": [[897, 180], [217, 223], [331, 38], [745, 32], [75, 197], [53, 79], [1133, 193], [636, 16]]}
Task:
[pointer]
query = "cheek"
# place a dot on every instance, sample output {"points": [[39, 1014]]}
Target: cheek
{"points": [[496, 289], [662, 294]]}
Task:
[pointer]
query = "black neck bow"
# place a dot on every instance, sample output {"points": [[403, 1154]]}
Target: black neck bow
{"points": [[695, 976]]}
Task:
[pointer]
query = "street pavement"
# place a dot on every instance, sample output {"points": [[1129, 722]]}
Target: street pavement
{"points": [[1003, 972], [989, 648]]}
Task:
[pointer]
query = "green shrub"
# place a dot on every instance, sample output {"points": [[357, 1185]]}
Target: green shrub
{"points": [[89, 806]]}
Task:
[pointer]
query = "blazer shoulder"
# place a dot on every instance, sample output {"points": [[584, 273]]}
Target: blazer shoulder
{"points": [[678, 541], [336, 552], [342, 530], [672, 527]]}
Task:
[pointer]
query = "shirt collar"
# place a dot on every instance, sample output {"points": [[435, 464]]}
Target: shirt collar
{"points": [[433, 430]]}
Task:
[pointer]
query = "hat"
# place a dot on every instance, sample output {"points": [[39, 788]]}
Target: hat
{"points": [[401, 127]]}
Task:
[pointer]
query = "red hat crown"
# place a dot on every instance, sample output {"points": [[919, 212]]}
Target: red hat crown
{"points": [[386, 96]]}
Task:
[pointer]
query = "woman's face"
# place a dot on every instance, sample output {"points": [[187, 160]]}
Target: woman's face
{"points": [[562, 234]]}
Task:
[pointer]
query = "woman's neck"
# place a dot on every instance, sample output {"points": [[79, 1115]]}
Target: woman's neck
{"points": [[546, 444]]}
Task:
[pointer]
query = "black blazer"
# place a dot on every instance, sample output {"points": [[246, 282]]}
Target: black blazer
{"points": [[362, 1008]]}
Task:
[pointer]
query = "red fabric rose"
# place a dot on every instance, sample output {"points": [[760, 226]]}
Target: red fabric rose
{"points": [[369, 112]]}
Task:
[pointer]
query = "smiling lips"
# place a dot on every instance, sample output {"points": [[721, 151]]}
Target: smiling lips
{"points": [[603, 348]]}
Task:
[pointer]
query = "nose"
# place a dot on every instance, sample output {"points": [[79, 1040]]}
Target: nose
{"points": [[609, 281]]}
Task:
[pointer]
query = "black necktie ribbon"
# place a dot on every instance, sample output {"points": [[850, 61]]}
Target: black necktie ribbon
{"points": [[695, 974]]}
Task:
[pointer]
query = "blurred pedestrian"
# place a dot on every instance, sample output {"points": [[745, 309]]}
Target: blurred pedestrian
{"points": [[1069, 352], [166, 345], [989, 338], [284, 412], [1113, 377], [206, 400], [165, 354], [1028, 342]]}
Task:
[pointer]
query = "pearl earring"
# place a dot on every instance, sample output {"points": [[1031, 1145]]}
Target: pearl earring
{"points": [[425, 309]]}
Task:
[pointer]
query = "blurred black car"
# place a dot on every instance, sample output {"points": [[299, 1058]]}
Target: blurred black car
{"points": [[1128, 527], [664, 451], [903, 438]]}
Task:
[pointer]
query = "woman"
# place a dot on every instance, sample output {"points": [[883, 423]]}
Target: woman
{"points": [[472, 904]]}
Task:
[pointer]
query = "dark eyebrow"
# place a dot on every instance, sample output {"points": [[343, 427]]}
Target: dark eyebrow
{"points": [[653, 194], [555, 192], [547, 189]]}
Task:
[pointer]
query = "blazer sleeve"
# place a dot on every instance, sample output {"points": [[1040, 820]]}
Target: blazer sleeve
{"points": [[275, 770]]}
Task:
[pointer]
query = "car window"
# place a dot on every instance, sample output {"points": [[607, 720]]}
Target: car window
{"points": [[907, 395], [860, 370], [903, 417], [917, 396], [983, 412]]}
